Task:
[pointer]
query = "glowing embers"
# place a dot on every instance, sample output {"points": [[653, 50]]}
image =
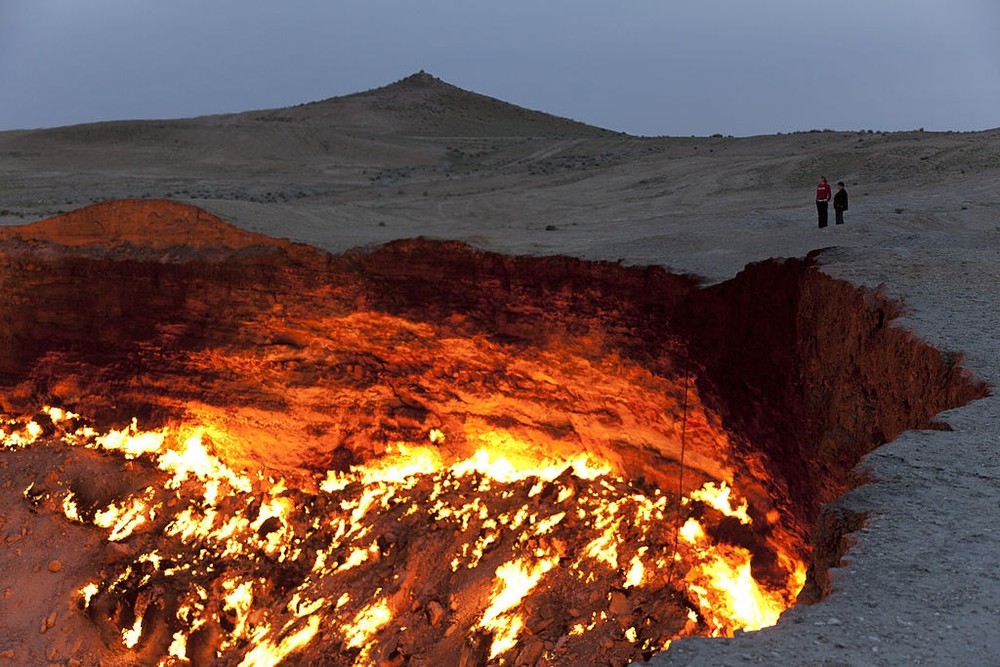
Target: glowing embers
{"points": [[495, 557]]}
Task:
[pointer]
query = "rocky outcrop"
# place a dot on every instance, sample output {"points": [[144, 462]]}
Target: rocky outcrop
{"points": [[812, 372]]}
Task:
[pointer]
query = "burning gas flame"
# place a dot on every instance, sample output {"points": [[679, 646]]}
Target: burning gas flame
{"points": [[272, 564], [514, 581]]}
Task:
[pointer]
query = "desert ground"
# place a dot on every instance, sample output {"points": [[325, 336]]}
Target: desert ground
{"points": [[921, 583]]}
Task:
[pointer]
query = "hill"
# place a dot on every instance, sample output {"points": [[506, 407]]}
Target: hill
{"points": [[418, 105], [422, 104]]}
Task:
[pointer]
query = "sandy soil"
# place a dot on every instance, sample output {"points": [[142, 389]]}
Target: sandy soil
{"points": [[922, 583]]}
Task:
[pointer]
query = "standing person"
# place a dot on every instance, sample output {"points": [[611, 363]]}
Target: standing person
{"points": [[822, 200], [840, 203]]}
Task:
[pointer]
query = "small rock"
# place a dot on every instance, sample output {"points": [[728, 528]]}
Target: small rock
{"points": [[394, 659], [50, 620], [116, 551], [73, 662], [270, 525], [538, 625], [55, 566], [619, 604], [559, 547], [203, 644], [531, 653], [435, 612], [9, 653], [386, 542]]}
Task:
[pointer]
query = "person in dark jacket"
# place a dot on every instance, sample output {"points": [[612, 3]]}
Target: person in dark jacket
{"points": [[822, 200], [840, 203]]}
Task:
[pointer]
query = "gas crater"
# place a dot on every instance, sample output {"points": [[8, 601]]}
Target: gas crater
{"points": [[428, 454]]}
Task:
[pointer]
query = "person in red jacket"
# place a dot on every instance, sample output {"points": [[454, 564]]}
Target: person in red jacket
{"points": [[823, 196]]}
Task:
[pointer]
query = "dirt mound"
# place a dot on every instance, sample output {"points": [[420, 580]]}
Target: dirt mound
{"points": [[142, 223]]}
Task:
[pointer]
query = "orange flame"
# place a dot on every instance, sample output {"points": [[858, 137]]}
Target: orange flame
{"points": [[492, 498]]}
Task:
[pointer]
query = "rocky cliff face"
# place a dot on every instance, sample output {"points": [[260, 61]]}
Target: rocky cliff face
{"points": [[300, 362]]}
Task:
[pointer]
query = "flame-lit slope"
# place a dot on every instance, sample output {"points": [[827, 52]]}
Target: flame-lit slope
{"points": [[333, 355], [428, 453], [157, 224]]}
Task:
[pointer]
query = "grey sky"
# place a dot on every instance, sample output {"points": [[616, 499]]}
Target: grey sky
{"points": [[642, 66]]}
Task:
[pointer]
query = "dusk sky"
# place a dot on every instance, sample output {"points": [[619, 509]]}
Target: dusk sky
{"points": [[647, 67]]}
